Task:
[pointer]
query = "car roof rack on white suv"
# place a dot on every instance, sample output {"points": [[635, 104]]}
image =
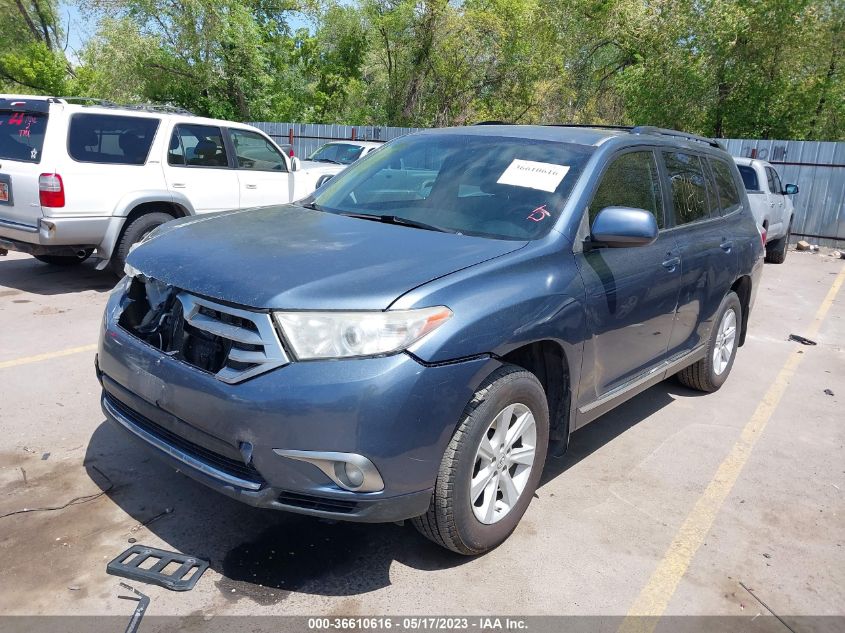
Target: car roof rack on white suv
{"points": [[105, 103]]}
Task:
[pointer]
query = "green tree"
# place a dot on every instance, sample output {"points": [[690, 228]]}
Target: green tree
{"points": [[32, 44]]}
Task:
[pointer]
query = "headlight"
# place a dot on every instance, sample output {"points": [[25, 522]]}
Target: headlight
{"points": [[350, 334]]}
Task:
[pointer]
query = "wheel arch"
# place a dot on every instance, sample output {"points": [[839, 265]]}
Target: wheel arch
{"points": [[547, 360], [129, 212]]}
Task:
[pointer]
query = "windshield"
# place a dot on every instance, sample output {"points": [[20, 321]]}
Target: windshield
{"points": [[749, 178], [499, 187], [22, 135], [342, 153]]}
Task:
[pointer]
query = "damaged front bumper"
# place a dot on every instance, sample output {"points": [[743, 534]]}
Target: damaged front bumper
{"points": [[244, 438]]}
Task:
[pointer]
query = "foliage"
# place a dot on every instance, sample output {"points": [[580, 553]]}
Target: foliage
{"points": [[741, 68]]}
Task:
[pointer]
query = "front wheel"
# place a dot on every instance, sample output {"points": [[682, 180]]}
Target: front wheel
{"points": [[712, 371], [492, 465]]}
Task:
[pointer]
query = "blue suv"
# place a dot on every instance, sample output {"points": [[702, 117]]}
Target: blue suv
{"points": [[413, 339]]}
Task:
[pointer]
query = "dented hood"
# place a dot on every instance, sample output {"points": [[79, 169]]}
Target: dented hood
{"points": [[289, 257]]}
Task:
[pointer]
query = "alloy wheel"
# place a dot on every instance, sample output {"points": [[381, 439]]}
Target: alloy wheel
{"points": [[725, 338], [503, 463]]}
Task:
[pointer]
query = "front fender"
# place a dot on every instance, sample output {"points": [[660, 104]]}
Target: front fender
{"points": [[504, 304]]}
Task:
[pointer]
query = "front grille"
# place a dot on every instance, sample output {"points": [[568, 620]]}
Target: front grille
{"points": [[228, 465], [309, 502], [231, 343]]}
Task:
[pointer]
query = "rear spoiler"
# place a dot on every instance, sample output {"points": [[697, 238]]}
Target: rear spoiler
{"points": [[40, 106]]}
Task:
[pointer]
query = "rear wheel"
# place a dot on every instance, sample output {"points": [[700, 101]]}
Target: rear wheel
{"points": [[776, 249], [134, 232], [65, 260], [710, 372], [492, 465]]}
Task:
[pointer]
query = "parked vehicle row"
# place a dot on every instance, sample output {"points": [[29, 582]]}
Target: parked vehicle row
{"points": [[415, 337], [82, 178]]}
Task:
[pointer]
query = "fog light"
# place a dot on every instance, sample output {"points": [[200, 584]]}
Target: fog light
{"points": [[350, 471], [354, 475]]}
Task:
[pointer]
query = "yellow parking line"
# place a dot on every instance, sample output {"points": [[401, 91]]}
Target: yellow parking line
{"points": [[655, 596], [48, 356]]}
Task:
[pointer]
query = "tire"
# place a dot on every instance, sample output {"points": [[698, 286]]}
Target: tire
{"points": [[452, 520], [705, 375], [132, 233], [65, 260], [776, 250]]}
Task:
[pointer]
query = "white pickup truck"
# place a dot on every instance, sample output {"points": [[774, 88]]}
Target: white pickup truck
{"points": [[771, 205], [86, 178]]}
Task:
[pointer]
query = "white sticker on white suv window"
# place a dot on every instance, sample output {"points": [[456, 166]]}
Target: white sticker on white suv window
{"points": [[533, 175]]}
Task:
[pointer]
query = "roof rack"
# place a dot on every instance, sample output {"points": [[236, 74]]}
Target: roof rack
{"points": [[491, 123], [145, 107], [600, 126], [159, 107], [659, 131], [100, 102]]}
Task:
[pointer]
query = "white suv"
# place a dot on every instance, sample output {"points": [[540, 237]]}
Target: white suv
{"points": [[89, 177], [771, 204]]}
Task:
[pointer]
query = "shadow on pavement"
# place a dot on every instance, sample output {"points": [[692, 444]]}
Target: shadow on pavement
{"points": [[611, 425], [27, 274], [267, 555]]}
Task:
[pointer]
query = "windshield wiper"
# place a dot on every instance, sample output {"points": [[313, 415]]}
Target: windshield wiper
{"points": [[395, 219], [326, 160]]}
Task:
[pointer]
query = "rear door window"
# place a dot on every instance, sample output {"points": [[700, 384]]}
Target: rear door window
{"points": [[774, 181], [689, 187], [111, 139], [729, 200], [632, 180], [22, 135], [197, 146]]}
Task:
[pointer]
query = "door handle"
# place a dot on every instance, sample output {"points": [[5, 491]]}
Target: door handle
{"points": [[178, 185], [671, 263], [726, 245], [251, 186]]}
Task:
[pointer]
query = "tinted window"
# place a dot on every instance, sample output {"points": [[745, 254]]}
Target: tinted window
{"points": [[342, 153], [729, 199], [106, 138], [22, 135], [749, 177], [501, 187], [689, 189], [253, 151], [631, 180], [197, 146]]}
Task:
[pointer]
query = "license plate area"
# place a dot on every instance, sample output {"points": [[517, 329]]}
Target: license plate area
{"points": [[5, 189]]}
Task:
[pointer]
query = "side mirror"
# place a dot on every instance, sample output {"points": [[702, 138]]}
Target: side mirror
{"points": [[618, 227], [790, 190], [295, 164]]}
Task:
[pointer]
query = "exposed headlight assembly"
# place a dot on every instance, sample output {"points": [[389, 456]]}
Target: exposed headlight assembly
{"points": [[315, 335]]}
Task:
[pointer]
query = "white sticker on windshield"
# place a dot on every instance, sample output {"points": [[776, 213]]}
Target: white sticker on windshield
{"points": [[534, 175]]}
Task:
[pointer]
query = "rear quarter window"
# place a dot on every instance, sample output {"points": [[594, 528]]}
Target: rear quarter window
{"points": [[749, 178], [22, 135], [111, 139]]}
